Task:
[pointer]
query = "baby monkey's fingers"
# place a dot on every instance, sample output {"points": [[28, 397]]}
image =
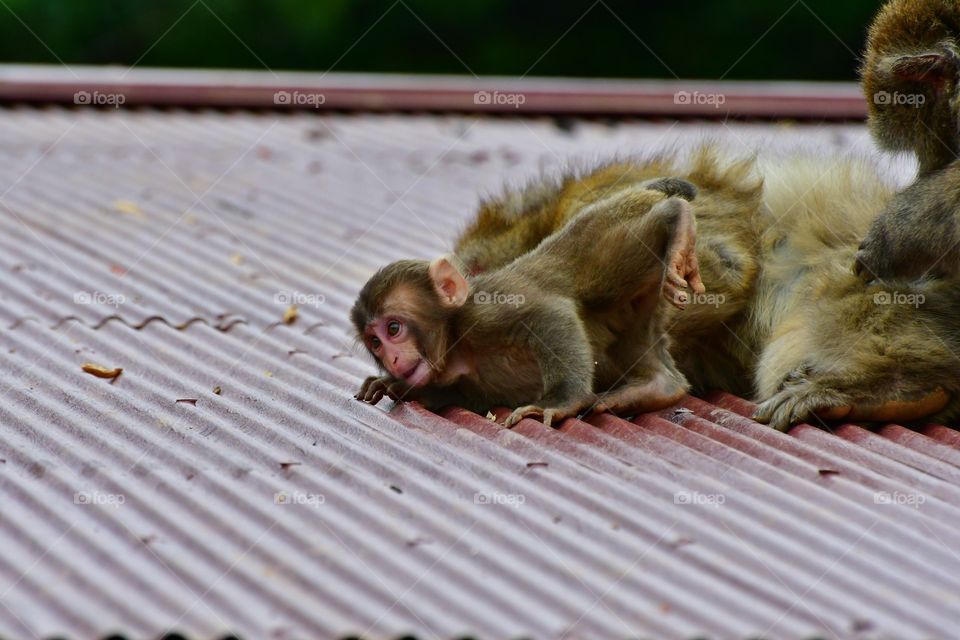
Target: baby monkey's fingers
{"points": [[693, 274], [365, 386], [676, 294], [373, 389]]}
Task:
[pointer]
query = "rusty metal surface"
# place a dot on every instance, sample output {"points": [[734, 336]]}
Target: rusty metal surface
{"points": [[226, 482], [392, 92]]}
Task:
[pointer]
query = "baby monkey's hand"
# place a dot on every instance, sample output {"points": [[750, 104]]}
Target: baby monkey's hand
{"points": [[375, 387]]}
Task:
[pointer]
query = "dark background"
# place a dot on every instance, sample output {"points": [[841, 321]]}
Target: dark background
{"points": [[712, 39]]}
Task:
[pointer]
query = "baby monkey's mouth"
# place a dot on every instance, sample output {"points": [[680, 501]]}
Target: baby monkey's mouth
{"points": [[418, 374]]}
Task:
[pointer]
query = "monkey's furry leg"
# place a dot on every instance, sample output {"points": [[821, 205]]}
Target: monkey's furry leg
{"points": [[846, 350], [824, 399]]}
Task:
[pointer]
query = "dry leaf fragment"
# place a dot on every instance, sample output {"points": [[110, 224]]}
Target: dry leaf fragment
{"points": [[101, 371], [290, 315], [125, 206]]}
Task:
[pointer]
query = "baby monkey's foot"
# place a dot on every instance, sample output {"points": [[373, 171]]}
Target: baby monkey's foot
{"points": [[549, 415], [683, 269], [637, 397]]}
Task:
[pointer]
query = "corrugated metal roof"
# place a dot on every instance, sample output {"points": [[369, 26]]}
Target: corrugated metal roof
{"points": [[282, 508]]}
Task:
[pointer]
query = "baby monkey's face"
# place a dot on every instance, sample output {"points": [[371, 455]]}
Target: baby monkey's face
{"points": [[392, 341]]}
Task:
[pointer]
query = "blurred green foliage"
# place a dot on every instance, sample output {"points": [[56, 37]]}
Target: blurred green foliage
{"points": [[736, 39]]}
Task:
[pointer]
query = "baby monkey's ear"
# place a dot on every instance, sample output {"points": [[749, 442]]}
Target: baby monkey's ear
{"points": [[931, 67], [450, 284]]}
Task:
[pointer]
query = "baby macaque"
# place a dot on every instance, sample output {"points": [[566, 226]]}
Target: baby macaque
{"points": [[574, 324], [910, 77]]}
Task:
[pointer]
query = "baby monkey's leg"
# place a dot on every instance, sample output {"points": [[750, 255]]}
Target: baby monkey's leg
{"points": [[639, 372], [682, 268], [643, 244]]}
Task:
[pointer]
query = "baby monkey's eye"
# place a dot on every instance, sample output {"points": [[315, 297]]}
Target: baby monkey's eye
{"points": [[393, 328], [374, 343]]}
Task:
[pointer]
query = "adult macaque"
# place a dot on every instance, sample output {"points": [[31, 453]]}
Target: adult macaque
{"points": [[830, 345], [910, 76], [798, 330], [582, 314]]}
